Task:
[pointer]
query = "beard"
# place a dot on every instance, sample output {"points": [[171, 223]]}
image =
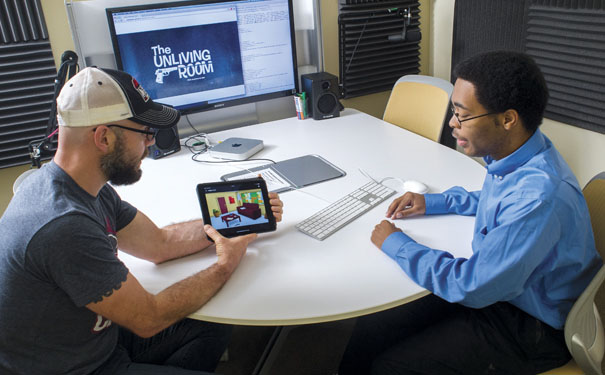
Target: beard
{"points": [[118, 169]]}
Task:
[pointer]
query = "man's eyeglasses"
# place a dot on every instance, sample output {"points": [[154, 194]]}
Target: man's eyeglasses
{"points": [[455, 114], [149, 134]]}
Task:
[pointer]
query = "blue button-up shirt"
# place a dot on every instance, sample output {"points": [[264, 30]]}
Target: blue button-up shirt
{"points": [[532, 246]]}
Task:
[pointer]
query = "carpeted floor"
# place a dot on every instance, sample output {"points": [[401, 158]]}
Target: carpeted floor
{"points": [[313, 349]]}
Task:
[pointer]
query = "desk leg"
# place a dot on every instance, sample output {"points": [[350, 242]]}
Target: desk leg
{"points": [[272, 349]]}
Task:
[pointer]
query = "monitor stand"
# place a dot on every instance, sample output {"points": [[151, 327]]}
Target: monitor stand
{"points": [[237, 116], [218, 119]]}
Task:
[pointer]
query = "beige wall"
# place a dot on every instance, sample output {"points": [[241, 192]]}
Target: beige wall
{"points": [[7, 178], [442, 12], [58, 27], [583, 150]]}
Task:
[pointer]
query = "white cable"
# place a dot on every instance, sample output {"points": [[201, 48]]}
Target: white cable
{"points": [[238, 167], [392, 178], [312, 195], [367, 175], [381, 181]]}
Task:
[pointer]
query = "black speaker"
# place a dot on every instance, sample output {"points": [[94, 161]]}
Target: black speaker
{"points": [[166, 142], [322, 95]]}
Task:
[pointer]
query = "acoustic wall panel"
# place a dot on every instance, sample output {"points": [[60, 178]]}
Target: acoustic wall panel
{"points": [[373, 53], [565, 37], [487, 25], [27, 75], [569, 46]]}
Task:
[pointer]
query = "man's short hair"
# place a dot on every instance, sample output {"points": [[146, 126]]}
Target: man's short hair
{"points": [[507, 80]]}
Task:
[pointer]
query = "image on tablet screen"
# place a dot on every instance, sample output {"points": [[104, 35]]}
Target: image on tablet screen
{"points": [[230, 209]]}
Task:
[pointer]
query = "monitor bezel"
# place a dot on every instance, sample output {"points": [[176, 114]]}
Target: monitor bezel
{"points": [[202, 107]]}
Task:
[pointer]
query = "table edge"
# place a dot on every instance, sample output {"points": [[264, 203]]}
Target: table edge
{"points": [[317, 319]]}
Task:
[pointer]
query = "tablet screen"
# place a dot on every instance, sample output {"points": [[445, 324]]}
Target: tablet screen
{"points": [[236, 207]]}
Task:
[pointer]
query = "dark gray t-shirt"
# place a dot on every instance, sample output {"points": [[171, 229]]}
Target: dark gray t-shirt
{"points": [[58, 253]]}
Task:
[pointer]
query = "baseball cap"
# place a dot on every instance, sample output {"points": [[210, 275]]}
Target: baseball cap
{"points": [[98, 96]]}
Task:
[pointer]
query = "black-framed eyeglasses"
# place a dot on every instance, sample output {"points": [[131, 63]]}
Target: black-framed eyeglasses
{"points": [[455, 114], [149, 134]]}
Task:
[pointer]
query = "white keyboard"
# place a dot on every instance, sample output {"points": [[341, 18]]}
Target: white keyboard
{"points": [[348, 208]]}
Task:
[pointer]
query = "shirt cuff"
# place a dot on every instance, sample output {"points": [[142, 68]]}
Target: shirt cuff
{"points": [[435, 204], [394, 242]]}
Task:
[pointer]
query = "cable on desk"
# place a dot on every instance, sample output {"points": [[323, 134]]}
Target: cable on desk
{"points": [[197, 144], [364, 173], [223, 161], [392, 178], [190, 124], [367, 175], [310, 194], [381, 181]]}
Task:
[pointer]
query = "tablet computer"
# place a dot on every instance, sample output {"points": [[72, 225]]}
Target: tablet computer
{"points": [[236, 207]]}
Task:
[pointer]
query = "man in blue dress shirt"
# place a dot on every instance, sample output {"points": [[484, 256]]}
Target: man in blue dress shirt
{"points": [[502, 310]]}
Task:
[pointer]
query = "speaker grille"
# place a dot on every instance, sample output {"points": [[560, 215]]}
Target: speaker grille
{"points": [[165, 139], [326, 103]]}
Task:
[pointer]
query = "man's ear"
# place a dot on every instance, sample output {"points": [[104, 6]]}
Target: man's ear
{"points": [[103, 138], [510, 119]]}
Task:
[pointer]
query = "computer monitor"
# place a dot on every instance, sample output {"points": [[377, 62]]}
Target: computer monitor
{"points": [[200, 55]]}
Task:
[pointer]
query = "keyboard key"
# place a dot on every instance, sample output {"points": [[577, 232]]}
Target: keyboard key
{"points": [[348, 208]]}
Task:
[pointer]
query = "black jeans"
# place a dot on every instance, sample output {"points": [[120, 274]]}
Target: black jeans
{"points": [[433, 336], [189, 347]]}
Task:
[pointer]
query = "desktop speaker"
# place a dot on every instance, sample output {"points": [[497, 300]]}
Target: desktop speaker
{"points": [[166, 142], [322, 95]]}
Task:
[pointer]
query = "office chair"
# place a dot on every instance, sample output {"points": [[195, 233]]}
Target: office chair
{"points": [[419, 104], [22, 178], [584, 334]]}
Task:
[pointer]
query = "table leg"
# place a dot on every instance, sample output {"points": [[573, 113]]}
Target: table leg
{"points": [[265, 362]]}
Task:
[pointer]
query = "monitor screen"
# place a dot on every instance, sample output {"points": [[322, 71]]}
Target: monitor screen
{"points": [[205, 54]]}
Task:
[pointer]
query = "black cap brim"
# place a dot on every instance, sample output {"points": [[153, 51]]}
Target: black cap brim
{"points": [[160, 117], [144, 110]]}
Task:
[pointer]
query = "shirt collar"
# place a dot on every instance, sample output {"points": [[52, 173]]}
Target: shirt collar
{"points": [[506, 165]]}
